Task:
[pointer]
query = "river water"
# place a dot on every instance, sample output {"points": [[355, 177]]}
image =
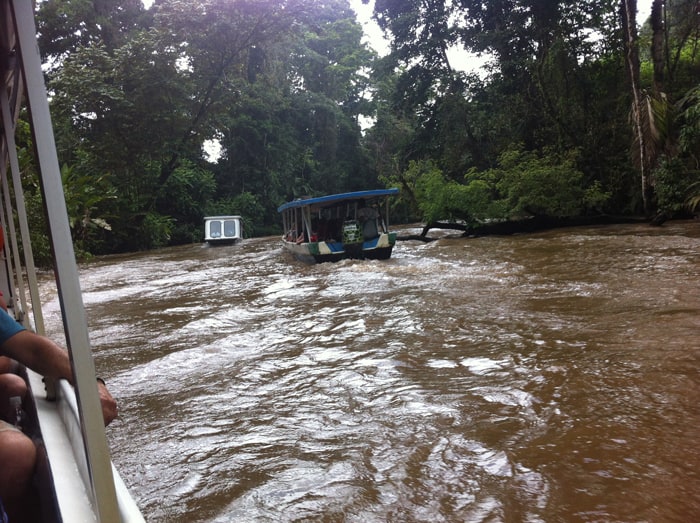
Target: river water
{"points": [[546, 377]]}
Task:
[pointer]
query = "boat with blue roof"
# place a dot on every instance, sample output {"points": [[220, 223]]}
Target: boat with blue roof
{"points": [[331, 228]]}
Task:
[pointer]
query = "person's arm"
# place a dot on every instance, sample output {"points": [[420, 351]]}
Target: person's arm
{"points": [[46, 358]]}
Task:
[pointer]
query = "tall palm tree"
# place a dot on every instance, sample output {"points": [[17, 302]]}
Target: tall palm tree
{"points": [[652, 114], [639, 116]]}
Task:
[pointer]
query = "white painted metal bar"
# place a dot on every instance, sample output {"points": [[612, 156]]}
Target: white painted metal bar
{"points": [[7, 222], [13, 78], [21, 214]]}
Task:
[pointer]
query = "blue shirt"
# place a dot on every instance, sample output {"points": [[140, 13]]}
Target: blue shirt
{"points": [[8, 327]]}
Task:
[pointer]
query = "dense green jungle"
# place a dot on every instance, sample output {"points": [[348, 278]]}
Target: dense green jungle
{"points": [[187, 108]]}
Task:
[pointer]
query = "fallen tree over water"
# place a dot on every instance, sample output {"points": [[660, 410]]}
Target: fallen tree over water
{"points": [[526, 225]]}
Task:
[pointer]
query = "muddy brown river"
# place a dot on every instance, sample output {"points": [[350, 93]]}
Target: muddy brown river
{"points": [[551, 377]]}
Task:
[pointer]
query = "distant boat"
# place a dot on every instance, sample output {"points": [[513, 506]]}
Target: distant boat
{"points": [[222, 230], [332, 228]]}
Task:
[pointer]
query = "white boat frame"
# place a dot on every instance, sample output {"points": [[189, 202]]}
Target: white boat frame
{"points": [[69, 418]]}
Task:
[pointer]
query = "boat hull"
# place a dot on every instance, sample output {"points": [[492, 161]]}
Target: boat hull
{"points": [[322, 252], [226, 241]]}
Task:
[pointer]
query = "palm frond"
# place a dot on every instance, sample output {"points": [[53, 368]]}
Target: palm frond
{"points": [[693, 201]]}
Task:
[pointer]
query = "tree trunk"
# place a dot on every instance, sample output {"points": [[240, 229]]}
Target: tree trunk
{"points": [[657, 45], [628, 12]]}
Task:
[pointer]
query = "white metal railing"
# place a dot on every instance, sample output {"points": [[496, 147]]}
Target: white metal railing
{"points": [[76, 413]]}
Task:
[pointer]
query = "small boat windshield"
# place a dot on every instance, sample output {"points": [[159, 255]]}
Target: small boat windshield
{"points": [[215, 229], [222, 228], [230, 228]]}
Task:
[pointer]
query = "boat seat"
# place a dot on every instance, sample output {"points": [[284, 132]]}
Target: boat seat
{"points": [[369, 230]]}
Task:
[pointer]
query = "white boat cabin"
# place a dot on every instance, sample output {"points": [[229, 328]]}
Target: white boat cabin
{"points": [[222, 229]]}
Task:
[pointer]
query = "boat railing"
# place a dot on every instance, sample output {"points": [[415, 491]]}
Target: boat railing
{"points": [[70, 418], [60, 418]]}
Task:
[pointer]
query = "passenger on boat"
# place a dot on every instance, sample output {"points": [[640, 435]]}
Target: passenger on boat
{"points": [[17, 450], [11, 384], [368, 220], [321, 229], [367, 213]]}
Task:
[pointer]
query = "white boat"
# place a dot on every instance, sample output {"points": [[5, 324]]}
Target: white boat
{"points": [[338, 226], [75, 479], [222, 230]]}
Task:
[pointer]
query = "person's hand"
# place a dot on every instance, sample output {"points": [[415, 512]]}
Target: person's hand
{"points": [[109, 404]]}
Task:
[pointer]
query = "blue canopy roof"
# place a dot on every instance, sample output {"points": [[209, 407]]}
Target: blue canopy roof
{"points": [[333, 198]]}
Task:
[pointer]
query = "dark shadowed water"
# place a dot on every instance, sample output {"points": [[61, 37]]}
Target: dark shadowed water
{"points": [[550, 377]]}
